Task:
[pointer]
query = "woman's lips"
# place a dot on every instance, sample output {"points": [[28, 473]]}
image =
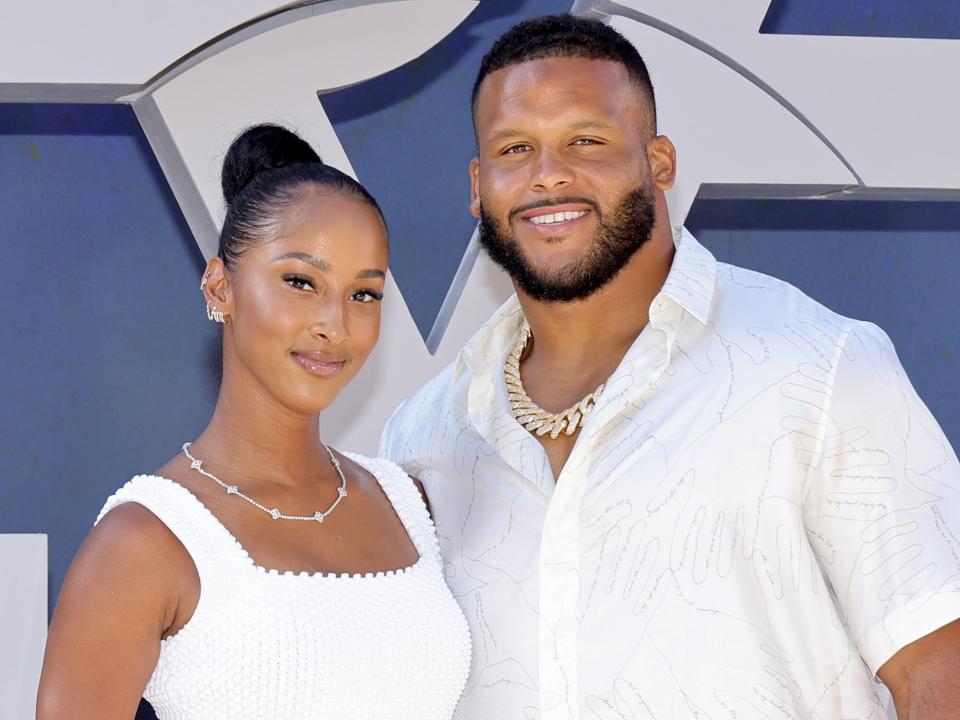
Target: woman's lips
{"points": [[320, 364]]}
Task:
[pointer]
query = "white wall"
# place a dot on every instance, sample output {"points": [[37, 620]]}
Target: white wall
{"points": [[23, 622]]}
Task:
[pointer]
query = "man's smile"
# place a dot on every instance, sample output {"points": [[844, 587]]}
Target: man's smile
{"points": [[555, 217]]}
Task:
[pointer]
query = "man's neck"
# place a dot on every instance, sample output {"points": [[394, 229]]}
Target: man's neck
{"points": [[576, 346], [580, 343]]}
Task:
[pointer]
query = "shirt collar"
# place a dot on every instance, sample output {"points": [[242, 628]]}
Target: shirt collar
{"points": [[689, 286], [692, 277], [487, 347]]}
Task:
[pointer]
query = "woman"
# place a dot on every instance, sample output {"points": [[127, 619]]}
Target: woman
{"points": [[260, 574]]}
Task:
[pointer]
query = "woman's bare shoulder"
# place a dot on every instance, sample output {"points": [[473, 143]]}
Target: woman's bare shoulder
{"points": [[129, 533], [131, 552]]}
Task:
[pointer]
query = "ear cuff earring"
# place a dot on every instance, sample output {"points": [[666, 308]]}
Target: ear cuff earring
{"points": [[212, 312]]}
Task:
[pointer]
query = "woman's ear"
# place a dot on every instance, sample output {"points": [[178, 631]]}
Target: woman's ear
{"points": [[216, 287]]}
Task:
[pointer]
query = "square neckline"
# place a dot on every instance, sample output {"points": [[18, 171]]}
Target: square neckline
{"points": [[390, 492]]}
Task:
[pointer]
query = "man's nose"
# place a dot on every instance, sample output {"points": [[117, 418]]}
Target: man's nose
{"points": [[550, 171]]}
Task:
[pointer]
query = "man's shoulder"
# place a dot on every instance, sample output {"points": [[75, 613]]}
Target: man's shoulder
{"points": [[415, 426], [751, 299]]}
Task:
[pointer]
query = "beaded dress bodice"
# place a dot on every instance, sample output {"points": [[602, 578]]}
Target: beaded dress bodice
{"points": [[263, 644]]}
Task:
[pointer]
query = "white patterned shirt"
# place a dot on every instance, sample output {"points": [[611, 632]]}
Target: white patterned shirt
{"points": [[758, 514]]}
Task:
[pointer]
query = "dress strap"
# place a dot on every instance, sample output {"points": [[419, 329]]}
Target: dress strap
{"points": [[407, 502], [197, 529]]}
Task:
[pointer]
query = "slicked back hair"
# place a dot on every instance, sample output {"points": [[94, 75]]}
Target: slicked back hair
{"points": [[264, 173], [565, 36]]}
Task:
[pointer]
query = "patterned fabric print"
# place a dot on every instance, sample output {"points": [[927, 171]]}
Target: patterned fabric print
{"points": [[263, 644], [757, 515]]}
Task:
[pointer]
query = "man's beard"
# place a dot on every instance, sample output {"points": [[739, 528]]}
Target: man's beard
{"points": [[617, 239]]}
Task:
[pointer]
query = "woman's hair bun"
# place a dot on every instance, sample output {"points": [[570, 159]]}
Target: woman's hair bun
{"points": [[260, 148]]}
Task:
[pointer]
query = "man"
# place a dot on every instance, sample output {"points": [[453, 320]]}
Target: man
{"points": [[745, 511]]}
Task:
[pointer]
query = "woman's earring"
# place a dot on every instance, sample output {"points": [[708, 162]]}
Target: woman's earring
{"points": [[214, 314]]}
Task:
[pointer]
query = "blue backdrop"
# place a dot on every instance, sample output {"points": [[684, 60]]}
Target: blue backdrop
{"points": [[105, 350]]}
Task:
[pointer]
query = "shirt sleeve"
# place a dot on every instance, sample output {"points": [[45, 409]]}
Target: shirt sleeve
{"points": [[883, 506]]}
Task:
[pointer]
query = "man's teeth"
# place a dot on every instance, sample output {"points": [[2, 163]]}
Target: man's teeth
{"points": [[557, 217]]}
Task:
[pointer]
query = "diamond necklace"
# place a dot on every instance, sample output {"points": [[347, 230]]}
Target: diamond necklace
{"points": [[530, 415], [274, 512]]}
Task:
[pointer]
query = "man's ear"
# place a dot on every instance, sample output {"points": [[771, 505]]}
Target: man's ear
{"points": [[475, 187], [662, 156], [216, 286]]}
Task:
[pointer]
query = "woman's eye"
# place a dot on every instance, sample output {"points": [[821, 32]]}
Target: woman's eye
{"points": [[367, 296], [298, 282]]}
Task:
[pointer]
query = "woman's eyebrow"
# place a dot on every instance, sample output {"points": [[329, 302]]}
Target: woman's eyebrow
{"points": [[318, 263], [371, 273], [324, 266]]}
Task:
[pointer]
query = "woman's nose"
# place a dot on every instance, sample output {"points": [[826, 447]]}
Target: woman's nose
{"points": [[330, 323]]}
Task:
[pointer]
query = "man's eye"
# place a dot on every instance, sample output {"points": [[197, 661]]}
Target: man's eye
{"points": [[367, 296], [515, 149], [586, 141], [298, 282]]}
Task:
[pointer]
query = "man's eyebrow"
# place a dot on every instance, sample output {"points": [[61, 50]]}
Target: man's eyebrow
{"points": [[591, 124], [505, 134], [318, 263], [370, 273]]}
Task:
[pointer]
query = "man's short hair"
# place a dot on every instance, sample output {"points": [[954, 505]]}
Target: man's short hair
{"points": [[565, 35]]}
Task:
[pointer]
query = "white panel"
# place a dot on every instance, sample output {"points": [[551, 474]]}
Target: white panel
{"points": [[889, 105], [275, 76], [23, 622], [725, 128], [110, 42]]}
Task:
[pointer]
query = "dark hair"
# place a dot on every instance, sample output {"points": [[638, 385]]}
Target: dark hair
{"points": [[567, 36], [264, 171]]}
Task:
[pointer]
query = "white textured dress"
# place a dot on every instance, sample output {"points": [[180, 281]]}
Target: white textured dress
{"points": [[263, 644]]}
